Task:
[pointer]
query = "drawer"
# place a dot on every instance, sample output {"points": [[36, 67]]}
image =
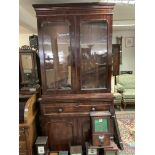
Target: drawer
{"points": [[88, 108], [100, 140], [22, 146], [22, 134], [47, 109]]}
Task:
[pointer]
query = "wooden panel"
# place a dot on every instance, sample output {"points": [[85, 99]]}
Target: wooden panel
{"points": [[43, 10], [77, 97], [22, 146], [23, 152], [60, 132], [65, 114], [84, 130], [30, 108], [61, 108], [27, 130], [77, 128], [22, 135], [116, 58]]}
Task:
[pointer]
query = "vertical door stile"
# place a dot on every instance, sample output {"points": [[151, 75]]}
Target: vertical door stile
{"points": [[77, 52]]}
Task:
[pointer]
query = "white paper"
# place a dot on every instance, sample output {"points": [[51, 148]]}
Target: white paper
{"points": [[41, 150], [100, 120]]}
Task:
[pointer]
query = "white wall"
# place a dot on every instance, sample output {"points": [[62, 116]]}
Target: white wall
{"points": [[24, 34], [24, 39], [128, 53]]}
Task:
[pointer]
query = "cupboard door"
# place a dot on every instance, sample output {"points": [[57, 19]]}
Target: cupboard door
{"points": [[57, 54], [95, 62], [60, 132], [84, 130]]}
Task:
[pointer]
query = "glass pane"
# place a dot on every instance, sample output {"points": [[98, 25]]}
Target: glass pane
{"points": [[93, 44], [26, 60], [26, 63], [57, 55]]}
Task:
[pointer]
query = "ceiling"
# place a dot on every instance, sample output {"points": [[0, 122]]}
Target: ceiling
{"points": [[123, 18]]}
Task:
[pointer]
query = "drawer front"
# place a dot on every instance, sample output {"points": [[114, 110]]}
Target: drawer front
{"points": [[101, 140], [22, 136], [48, 109], [22, 146], [91, 107]]}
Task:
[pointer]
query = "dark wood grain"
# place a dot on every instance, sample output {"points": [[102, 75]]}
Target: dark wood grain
{"points": [[27, 129], [116, 58], [65, 114], [90, 11]]}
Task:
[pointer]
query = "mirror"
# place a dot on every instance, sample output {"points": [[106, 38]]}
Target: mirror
{"points": [[26, 63]]}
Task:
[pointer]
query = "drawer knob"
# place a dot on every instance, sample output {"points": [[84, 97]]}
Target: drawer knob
{"points": [[60, 110], [93, 109]]}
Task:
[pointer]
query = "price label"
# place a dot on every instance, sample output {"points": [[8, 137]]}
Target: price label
{"points": [[41, 150], [100, 120]]}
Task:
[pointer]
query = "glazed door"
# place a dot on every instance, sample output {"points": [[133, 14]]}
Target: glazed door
{"points": [[76, 54], [94, 53], [57, 56]]}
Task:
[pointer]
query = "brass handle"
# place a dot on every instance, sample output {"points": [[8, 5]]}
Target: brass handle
{"points": [[93, 108], [60, 110]]}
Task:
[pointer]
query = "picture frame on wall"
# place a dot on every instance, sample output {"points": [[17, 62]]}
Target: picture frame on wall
{"points": [[129, 42]]}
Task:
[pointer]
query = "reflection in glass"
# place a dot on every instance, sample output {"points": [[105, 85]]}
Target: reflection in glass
{"points": [[26, 60], [57, 55], [28, 67], [27, 63], [93, 44]]}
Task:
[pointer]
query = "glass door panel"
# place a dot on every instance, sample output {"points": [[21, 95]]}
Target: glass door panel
{"points": [[27, 67], [56, 46], [93, 47]]}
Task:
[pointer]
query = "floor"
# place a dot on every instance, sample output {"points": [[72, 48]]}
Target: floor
{"points": [[126, 122]]}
